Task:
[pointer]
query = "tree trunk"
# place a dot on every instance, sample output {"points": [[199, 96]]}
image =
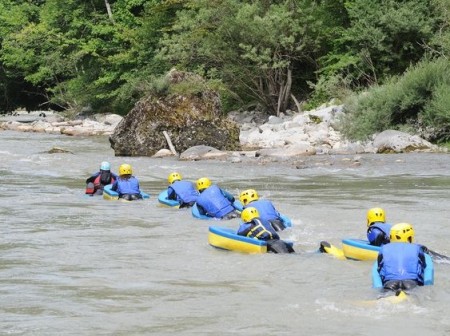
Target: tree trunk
{"points": [[284, 93], [108, 9], [287, 91]]}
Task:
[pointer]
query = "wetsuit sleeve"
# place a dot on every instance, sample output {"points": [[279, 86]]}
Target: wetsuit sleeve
{"points": [[424, 249], [138, 186], [380, 261], [201, 210], [171, 194], [92, 178], [375, 236], [422, 252], [244, 229], [228, 195], [114, 186], [278, 213]]}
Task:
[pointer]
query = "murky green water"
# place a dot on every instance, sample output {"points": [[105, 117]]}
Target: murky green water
{"points": [[73, 265]]}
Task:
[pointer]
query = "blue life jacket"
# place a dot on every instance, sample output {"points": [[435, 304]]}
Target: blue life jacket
{"points": [[265, 209], [256, 229], [267, 212], [184, 190], [214, 202], [378, 233], [126, 186], [401, 261]]}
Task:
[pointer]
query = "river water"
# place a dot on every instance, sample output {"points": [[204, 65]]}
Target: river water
{"points": [[75, 265]]}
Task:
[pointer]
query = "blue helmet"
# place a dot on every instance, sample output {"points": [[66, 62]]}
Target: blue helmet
{"points": [[105, 166]]}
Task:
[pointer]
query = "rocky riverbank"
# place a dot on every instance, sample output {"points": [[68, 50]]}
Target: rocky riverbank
{"points": [[293, 138], [54, 123]]}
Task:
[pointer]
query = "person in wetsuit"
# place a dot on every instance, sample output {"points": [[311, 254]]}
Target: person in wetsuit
{"points": [[184, 192], [401, 263], [214, 201], [127, 185], [254, 227], [266, 209], [97, 181], [377, 229]]}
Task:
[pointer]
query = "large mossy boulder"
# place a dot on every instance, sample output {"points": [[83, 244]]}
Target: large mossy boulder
{"points": [[190, 119]]}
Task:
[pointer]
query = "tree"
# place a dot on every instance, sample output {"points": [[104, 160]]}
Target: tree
{"points": [[14, 90], [77, 53], [383, 38], [256, 48]]}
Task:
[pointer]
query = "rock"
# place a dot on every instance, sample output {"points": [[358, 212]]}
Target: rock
{"points": [[202, 152], [346, 147], [391, 141], [56, 150], [254, 117], [55, 124], [108, 119], [190, 120], [275, 120], [163, 153], [287, 152], [31, 117]]}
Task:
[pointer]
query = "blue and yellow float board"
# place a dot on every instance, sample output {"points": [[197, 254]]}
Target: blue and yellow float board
{"points": [[112, 195], [228, 239], [359, 249], [163, 198]]}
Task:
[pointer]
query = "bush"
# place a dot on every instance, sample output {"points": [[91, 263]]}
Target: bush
{"points": [[326, 89], [418, 98]]}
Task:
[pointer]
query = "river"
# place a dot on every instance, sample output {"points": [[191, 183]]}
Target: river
{"points": [[77, 265]]}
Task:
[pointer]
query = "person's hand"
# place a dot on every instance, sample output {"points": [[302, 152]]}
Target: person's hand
{"points": [[425, 249]]}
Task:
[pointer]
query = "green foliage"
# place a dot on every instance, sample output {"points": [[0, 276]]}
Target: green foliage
{"points": [[14, 91], [328, 88], [445, 144], [81, 55], [383, 38], [156, 86], [439, 45], [256, 48], [419, 96]]}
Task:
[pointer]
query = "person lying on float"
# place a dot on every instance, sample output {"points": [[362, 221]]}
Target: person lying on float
{"points": [[254, 227], [97, 181], [182, 191], [214, 201]]}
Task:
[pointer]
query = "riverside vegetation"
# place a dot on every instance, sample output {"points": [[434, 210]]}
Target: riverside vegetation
{"points": [[385, 60]]}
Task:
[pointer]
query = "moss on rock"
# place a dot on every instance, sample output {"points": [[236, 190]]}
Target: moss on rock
{"points": [[190, 119]]}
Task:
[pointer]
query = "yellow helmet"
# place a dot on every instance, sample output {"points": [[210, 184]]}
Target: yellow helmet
{"points": [[402, 232], [375, 215], [249, 213], [248, 195], [174, 177], [203, 183], [125, 169]]}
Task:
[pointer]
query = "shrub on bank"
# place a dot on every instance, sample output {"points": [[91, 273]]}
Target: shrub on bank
{"points": [[418, 100]]}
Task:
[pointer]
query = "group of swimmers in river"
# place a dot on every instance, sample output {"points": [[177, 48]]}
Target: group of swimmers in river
{"points": [[401, 262]]}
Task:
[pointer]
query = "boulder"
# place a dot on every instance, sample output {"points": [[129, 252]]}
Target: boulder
{"points": [[190, 119], [163, 153], [202, 153], [58, 150], [392, 141], [298, 149]]}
